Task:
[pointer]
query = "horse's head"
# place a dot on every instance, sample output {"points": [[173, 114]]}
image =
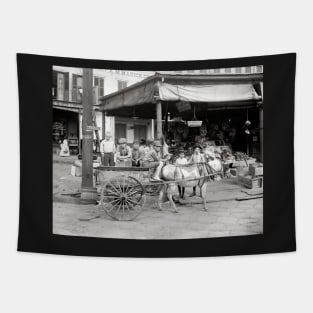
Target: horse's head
{"points": [[209, 154]]}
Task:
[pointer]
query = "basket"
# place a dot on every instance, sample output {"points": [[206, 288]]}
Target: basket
{"points": [[194, 123]]}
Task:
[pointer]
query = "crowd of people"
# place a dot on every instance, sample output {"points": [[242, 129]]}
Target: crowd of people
{"points": [[145, 154]]}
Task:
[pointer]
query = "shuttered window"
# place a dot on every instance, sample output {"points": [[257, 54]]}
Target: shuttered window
{"points": [[121, 84], [99, 82]]}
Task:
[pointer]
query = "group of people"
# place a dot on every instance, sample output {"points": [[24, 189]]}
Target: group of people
{"points": [[144, 154]]}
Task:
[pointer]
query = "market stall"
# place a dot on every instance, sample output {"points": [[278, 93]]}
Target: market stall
{"points": [[217, 109]]}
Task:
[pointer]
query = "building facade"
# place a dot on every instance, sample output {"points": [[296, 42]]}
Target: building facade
{"points": [[67, 83], [67, 101]]}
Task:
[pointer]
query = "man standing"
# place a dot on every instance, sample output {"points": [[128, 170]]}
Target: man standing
{"points": [[107, 149]]}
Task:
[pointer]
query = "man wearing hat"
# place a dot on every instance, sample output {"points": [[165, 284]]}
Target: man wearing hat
{"points": [[153, 159], [124, 154]]}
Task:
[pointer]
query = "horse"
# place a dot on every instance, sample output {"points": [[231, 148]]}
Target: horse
{"points": [[188, 175]]}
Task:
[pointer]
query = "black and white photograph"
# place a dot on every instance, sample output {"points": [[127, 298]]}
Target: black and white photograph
{"points": [[157, 154]]}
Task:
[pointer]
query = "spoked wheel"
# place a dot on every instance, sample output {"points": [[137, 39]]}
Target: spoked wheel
{"points": [[122, 197]]}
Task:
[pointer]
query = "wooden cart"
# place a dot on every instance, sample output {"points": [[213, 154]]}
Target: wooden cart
{"points": [[124, 190]]}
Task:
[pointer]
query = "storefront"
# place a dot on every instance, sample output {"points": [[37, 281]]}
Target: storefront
{"points": [[189, 108], [65, 125]]}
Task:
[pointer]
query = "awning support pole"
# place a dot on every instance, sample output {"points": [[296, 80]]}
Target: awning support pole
{"points": [[159, 119], [261, 132]]}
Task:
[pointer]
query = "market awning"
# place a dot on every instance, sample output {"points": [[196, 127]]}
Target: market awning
{"points": [[208, 89], [208, 93]]}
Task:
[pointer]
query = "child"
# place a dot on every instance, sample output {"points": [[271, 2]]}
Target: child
{"points": [[65, 150], [181, 160], [136, 158], [197, 157]]}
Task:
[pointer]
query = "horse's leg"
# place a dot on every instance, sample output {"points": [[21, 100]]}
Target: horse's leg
{"points": [[170, 190], [160, 200], [183, 193], [203, 192]]}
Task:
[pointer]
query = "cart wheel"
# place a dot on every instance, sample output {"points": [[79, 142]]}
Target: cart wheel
{"points": [[153, 189], [122, 197]]}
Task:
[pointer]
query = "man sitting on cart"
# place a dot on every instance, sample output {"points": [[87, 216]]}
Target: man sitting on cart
{"points": [[152, 159], [123, 154]]}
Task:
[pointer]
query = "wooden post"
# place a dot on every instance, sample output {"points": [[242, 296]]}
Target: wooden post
{"points": [[88, 193], [159, 123], [159, 119], [261, 131]]}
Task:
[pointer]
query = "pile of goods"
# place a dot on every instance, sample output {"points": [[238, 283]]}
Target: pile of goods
{"points": [[254, 178]]}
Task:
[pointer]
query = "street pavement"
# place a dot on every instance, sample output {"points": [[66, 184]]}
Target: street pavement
{"points": [[224, 218]]}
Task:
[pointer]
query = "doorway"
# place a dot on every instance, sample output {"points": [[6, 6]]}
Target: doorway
{"points": [[120, 131], [140, 132]]}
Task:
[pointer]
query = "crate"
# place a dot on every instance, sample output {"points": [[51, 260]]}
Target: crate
{"points": [[249, 182], [255, 170]]}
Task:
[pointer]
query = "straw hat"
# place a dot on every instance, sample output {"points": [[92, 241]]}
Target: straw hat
{"points": [[197, 145], [122, 140]]}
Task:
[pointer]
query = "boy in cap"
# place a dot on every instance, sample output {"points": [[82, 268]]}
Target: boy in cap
{"points": [[123, 155], [136, 157], [181, 160], [153, 159], [197, 157]]}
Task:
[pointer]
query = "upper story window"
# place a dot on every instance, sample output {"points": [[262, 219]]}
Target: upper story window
{"points": [[248, 69], [121, 84], [227, 70], [77, 88], [238, 70], [60, 86], [99, 82], [217, 70], [259, 68]]}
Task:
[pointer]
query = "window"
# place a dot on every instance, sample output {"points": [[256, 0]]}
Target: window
{"points": [[203, 71], [228, 70], [60, 86], [121, 84], [77, 88], [216, 70], [248, 69], [99, 82], [238, 70], [259, 68]]}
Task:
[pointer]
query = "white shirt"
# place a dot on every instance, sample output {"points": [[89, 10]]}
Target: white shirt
{"points": [[181, 161], [107, 146], [197, 158]]}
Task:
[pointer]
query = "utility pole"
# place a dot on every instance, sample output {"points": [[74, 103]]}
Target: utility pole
{"points": [[88, 192]]}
